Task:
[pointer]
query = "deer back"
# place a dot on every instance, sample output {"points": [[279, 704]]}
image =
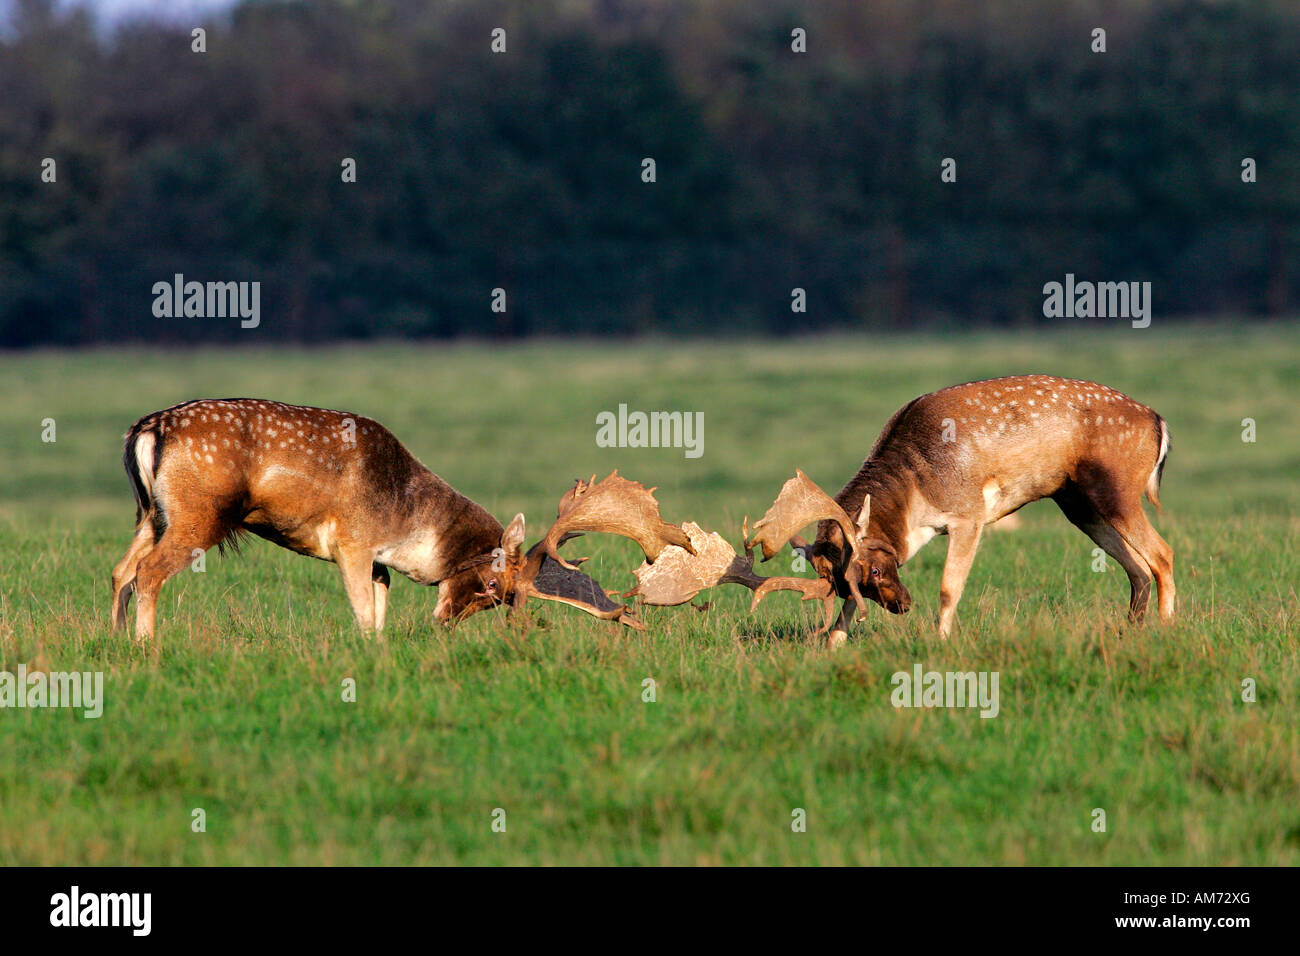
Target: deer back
{"points": [[306, 478], [984, 449]]}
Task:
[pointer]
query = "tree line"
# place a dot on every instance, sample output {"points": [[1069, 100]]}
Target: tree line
{"points": [[900, 164]]}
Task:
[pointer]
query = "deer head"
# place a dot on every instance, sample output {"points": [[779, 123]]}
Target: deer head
{"points": [[509, 576]]}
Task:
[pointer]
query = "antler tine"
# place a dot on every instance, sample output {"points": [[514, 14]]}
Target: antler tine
{"points": [[812, 589], [800, 503], [828, 608], [617, 506]]}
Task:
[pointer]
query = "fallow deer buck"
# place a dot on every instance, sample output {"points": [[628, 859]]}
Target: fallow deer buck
{"points": [[953, 462], [342, 488]]}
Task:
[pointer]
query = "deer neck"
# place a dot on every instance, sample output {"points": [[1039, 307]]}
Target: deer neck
{"points": [[444, 533], [891, 507]]}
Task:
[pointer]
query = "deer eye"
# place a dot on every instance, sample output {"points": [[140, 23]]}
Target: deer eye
{"points": [[492, 585], [875, 572]]}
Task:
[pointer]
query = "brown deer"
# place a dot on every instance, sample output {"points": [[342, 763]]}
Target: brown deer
{"points": [[953, 462], [342, 488]]}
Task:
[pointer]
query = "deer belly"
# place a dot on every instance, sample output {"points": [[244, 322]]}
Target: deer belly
{"points": [[313, 542], [287, 508]]}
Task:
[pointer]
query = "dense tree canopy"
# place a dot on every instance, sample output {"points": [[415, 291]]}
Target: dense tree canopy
{"points": [[522, 170]]}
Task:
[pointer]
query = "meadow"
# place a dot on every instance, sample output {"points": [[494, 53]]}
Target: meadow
{"points": [[242, 715]]}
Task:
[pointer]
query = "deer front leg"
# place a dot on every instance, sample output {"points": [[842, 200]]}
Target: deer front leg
{"points": [[379, 578], [963, 542], [840, 633], [356, 568]]}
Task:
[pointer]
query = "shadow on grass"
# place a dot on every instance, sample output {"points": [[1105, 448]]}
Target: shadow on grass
{"points": [[869, 632]]}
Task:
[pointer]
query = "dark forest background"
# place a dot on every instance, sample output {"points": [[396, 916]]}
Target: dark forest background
{"points": [[522, 170]]}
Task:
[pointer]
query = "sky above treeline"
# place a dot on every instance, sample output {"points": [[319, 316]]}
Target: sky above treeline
{"points": [[111, 12]]}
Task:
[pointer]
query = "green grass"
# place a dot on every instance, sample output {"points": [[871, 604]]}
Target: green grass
{"points": [[242, 715]]}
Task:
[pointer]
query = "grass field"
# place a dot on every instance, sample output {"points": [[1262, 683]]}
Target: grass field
{"points": [[243, 715]]}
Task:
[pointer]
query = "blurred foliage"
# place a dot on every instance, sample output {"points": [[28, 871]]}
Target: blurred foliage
{"points": [[523, 170]]}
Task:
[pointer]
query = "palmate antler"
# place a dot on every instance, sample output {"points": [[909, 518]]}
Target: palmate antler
{"points": [[616, 506], [677, 575], [800, 503]]}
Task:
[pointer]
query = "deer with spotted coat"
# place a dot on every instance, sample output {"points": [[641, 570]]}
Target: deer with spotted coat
{"points": [[342, 488], [953, 462]]}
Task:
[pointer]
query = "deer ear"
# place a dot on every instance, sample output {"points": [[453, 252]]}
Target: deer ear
{"points": [[864, 518], [512, 539]]}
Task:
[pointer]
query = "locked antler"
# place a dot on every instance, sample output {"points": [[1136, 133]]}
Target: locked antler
{"points": [[800, 503], [615, 506], [677, 576]]}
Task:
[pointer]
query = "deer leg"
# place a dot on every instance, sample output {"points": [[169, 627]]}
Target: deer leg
{"points": [[1119, 502], [840, 633], [356, 566], [963, 542], [1163, 566], [1136, 530], [1083, 514], [175, 550], [1139, 574], [124, 573], [379, 579]]}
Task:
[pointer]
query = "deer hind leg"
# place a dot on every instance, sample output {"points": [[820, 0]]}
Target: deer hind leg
{"points": [[963, 542], [357, 568], [124, 573], [1120, 503], [185, 535], [1137, 532], [379, 579], [1083, 514]]}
